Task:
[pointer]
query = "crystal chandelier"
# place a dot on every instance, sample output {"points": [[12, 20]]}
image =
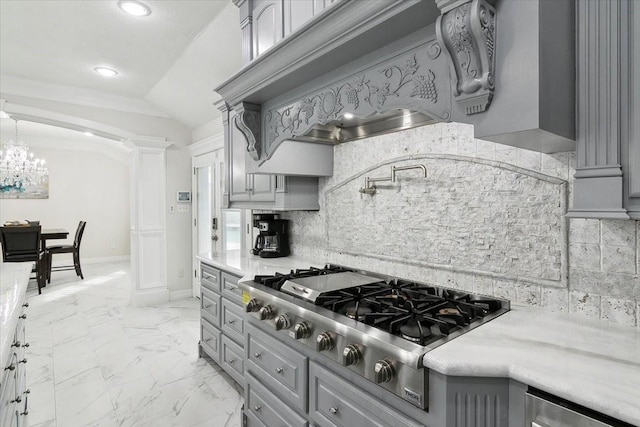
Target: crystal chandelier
{"points": [[18, 169]]}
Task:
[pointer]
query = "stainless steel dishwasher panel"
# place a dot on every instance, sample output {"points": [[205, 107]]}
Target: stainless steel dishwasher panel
{"points": [[543, 413]]}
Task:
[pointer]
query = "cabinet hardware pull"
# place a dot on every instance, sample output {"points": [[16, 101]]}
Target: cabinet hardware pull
{"points": [[16, 344], [257, 408], [207, 306], [207, 339], [10, 367], [23, 360], [279, 370], [333, 410], [24, 413], [24, 316], [232, 361], [27, 391], [231, 322], [25, 344], [26, 304], [257, 355], [17, 400]]}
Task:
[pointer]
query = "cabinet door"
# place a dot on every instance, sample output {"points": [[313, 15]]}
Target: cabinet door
{"points": [[297, 13], [263, 188], [267, 25], [239, 180]]}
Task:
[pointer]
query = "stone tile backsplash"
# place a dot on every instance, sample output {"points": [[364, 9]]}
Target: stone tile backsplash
{"points": [[488, 218]]}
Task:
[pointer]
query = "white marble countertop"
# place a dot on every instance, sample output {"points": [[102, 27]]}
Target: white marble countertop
{"points": [[14, 278], [592, 363], [249, 265]]}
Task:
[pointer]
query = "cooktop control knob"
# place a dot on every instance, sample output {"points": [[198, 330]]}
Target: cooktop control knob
{"points": [[252, 305], [351, 355], [301, 330], [266, 312], [283, 322], [383, 371], [324, 342]]}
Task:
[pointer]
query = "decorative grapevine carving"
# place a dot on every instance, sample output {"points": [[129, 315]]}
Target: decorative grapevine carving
{"points": [[406, 82], [467, 33]]}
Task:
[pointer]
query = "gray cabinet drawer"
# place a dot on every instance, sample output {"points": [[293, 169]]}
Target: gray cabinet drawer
{"points": [[210, 339], [232, 359], [335, 402], [265, 409], [210, 306], [230, 288], [210, 277], [233, 321], [283, 369]]}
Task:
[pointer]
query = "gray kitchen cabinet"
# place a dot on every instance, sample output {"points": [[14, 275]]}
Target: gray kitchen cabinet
{"points": [[266, 410], [232, 359], [222, 320], [210, 338], [260, 191], [232, 320], [14, 397], [333, 402], [245, 187], [272, 20], [283, 369], [267, 24], [297, 12], [210, 304]]}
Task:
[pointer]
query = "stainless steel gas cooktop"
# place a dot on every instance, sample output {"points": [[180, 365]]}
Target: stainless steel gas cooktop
{"points": [[377, 326]]}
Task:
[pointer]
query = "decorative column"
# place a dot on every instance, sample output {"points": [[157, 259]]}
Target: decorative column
{"points": [[602, 108], [148, 222]]}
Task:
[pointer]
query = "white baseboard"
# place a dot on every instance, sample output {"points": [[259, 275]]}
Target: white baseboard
{"points": [[182, 294], [144, 297]]}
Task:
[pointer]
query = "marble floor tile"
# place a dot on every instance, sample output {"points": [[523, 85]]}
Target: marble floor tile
{"points": [[97, 361], [84, 400], [73, 358]]}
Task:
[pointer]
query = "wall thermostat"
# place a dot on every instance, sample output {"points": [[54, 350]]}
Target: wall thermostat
{"points": [[184, 196]]}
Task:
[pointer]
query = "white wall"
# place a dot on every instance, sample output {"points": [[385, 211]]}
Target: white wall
{"points": [[178, 223], [83, 185]]}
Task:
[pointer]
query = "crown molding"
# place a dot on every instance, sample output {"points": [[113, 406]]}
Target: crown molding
{"points": [[72, 95], [207, 145]]}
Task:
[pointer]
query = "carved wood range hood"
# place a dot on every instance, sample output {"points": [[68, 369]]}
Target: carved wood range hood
{"points": [[505, 66]]}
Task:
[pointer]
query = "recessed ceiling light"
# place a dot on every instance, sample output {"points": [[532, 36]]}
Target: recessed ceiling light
{"points": [[88, 133], [105, 72], [348, 116], [135, 8]]}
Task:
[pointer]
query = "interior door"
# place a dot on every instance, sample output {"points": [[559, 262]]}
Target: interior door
{"points": [[206, 210]]}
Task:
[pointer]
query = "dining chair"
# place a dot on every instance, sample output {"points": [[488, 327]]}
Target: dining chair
{"points": [[23, 244], [66, 249]]}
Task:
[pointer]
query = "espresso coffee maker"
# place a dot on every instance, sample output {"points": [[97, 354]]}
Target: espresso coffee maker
{"points": [[272, 240]]}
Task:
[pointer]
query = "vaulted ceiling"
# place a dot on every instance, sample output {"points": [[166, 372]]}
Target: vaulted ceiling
{"points": [[170, 60]]}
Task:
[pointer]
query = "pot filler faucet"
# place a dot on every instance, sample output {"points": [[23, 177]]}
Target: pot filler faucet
{"points": [[371, 189]]}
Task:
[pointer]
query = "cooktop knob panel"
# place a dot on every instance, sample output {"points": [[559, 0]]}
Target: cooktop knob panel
{"points": [[266, 312], [324, 342], [283, 322], [383, 371], [301, 330], [351, 355]]}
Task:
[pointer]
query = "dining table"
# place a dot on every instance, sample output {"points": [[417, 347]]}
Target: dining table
{"points": [[52, 234]]}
